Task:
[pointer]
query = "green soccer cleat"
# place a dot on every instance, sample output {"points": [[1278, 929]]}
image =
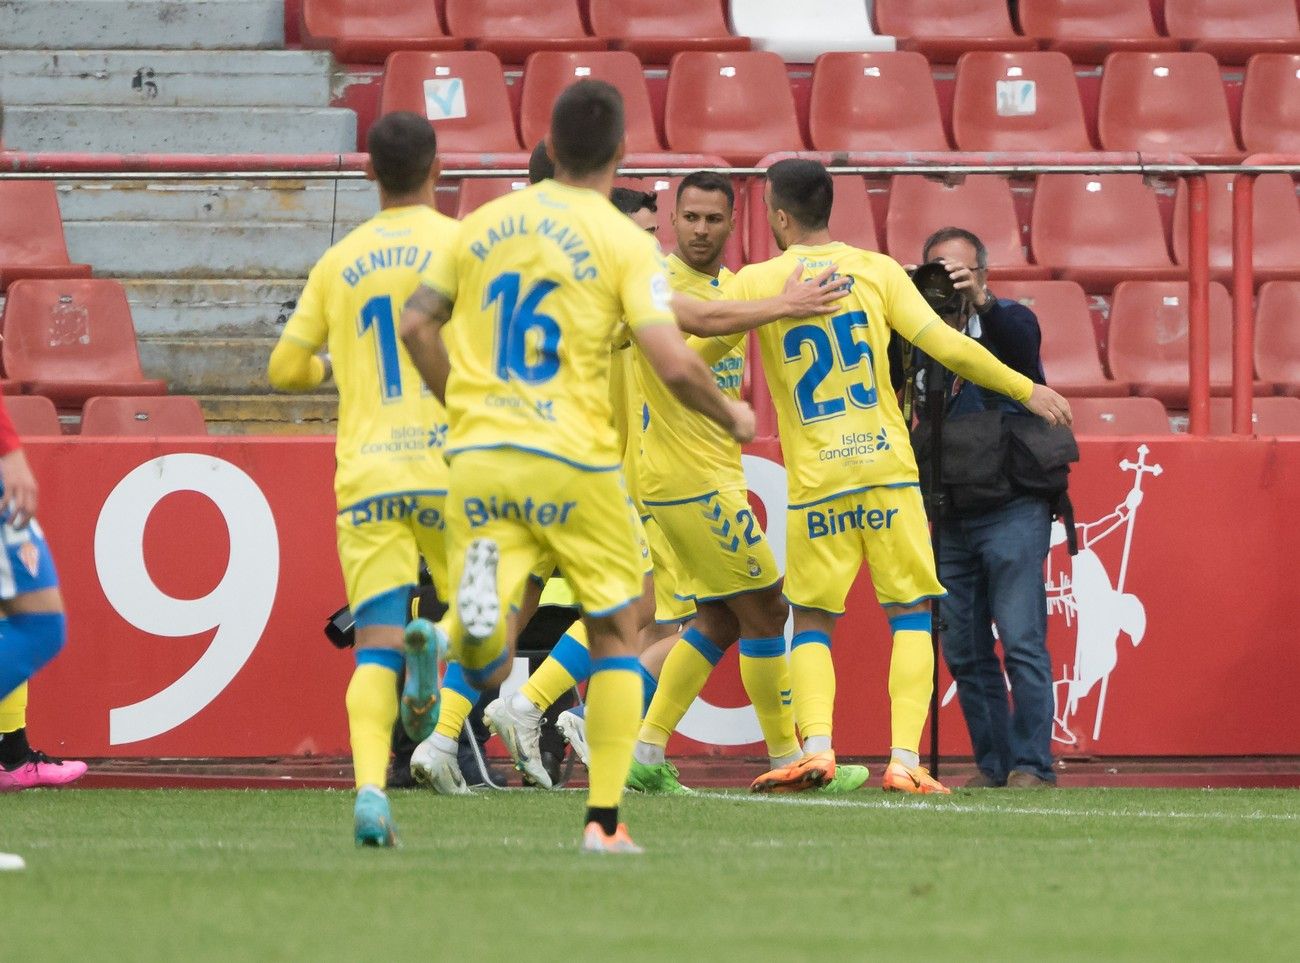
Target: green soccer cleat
{"points": [[660, 780], [426, 648], [373, 820], [847, 779]]}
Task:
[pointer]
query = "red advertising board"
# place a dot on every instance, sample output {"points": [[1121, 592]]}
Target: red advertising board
{"points": [[198, 575]]}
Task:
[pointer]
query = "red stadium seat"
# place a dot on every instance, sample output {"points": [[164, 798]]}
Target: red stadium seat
{"points": [[1269, 416], [477, 191], [143, 417], [1069, 348], [1147, 343], [463, 93], [360, 31], [71, 340], [1233, 30], [1277, 335], [1100, 229], [33, 415], [943, 30], [852, 220], [919, 206], [31, 234], [656, 30], [1018, 102], [1270, 104], [1166, 103], [547, 73], [513, 29], [737, 105], [874, 102], [1087, 30], [1109, 417], [1276, 222]]}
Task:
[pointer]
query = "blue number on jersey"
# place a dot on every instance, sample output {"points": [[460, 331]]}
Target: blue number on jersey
{"points": [[846, 349], [517, 322], [377, 313]]}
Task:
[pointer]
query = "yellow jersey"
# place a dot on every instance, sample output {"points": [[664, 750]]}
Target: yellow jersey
{"points": [[541, 279], [840, 424], [626, 410], [684, 455], [391, 429]]}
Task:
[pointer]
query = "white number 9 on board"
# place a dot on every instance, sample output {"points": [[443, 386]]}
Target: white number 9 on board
{"points": [[238, 608]]}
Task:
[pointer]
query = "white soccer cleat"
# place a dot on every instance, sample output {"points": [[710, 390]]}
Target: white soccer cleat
{"points": [[438, 769], [573, 728], [10, 861], [477, 602], [522, 738]]}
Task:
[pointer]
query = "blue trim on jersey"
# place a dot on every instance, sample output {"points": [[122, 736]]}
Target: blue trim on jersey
{"points": [[851, 491], [616, 663], [769, 648], [453, 680], [612, 609], [391, 608], [478, 677], [371, 498], [911, 622], [917, 601], [810, 637], [388, 658], [649, 686], [680, 501], [532, 451], [574, 656], [702, 644]]}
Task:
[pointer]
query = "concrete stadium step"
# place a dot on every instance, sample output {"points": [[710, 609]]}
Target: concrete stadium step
{"points": [[165, 78], [271, 414], [183, 130], [123, 24], [208, 366], [211, 307], [346, 202]]}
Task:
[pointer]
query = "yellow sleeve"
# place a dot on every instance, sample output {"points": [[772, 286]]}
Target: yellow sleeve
{"points": [[643, 286], [442, 274], [293, 365], [713, 350]]}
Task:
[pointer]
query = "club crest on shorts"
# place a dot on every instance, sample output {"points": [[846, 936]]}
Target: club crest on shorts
{"points": [[30, 556], [755, 570]]}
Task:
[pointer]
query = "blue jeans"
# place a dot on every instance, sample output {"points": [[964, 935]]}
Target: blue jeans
{"points": [[992, 566]]}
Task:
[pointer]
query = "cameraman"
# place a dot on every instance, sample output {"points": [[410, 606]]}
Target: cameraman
{"points": [[991, 558]]}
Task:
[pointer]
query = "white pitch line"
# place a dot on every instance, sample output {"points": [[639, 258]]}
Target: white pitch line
{"points": [[956, 807]]}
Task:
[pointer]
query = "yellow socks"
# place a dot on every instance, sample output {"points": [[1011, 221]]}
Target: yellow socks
{"points": [[613, 709], [813, 674], [457, 698], [568, 664], [13, 710], [372, 710], [684, 673], [766, 676], [911, 679]]}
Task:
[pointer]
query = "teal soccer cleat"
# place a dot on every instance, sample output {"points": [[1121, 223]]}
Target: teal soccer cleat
{"points": [[373, 819], [426, 648]]}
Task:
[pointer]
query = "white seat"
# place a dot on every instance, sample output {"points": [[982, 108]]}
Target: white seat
{"points": [[799, 32]]}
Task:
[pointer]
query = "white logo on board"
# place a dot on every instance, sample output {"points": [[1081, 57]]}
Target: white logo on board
{"points": [[444, 98]]}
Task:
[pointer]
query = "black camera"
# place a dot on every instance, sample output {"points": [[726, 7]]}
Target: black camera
{"points": [[932, 280]]}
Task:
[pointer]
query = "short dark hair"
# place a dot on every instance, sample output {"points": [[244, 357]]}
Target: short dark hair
{"points": [[629, 201], [402, 148], [945, 234], [804, 190], [586, 126], [540, 166], [708, 181]]}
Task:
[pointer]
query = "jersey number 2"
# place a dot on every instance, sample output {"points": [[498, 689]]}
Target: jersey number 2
{"points": [[523, 331], [846, 350]]}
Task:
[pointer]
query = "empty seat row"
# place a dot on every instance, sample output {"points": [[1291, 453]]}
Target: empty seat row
{"points": [[741, 106], [145, 416], [1102, 417]]}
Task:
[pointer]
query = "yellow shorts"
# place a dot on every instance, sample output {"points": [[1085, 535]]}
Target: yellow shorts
{"points": [[381, 539], [559, 593], [535, 508], [722, 544], [673, 602], [827, 542], [547, 570]]}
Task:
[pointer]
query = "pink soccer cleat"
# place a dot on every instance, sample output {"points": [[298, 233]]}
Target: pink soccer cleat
{"points": [[39, 771]]}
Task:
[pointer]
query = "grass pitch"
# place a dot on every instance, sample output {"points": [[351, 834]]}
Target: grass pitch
{"points": [[228, 875]]}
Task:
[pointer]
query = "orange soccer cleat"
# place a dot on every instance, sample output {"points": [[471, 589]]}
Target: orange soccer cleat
{"points": [[810, 772], [899, 778], [594, 840]]}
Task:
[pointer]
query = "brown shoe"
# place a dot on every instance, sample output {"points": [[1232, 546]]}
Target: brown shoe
{"points": [[1019, 779], [981, 781]]}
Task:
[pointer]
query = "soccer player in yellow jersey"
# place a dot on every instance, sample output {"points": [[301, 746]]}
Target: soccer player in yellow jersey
{"points": [[391, 480], [853, 489], [513, 327]]}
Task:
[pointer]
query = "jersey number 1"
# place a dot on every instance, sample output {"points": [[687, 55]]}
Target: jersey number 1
{"points": [[377, 313], [518, 324]]}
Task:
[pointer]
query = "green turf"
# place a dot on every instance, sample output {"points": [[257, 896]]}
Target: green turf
{"points": [[1084, 874]]}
